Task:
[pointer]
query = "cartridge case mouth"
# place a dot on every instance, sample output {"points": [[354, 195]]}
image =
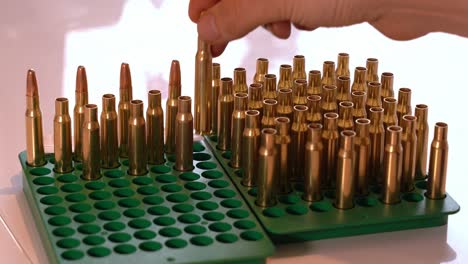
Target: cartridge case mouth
{"points": [[405, 90], [375, 84], [154, 92], [314, 126], [331, 115], [329, 87], [441, 125], [395, 129], [314, 98], [315, 72], [285, 66], [301, 81], [91, 106], [252, 112], [136, 102], [372, 60], [363, 121], [344, 78], [269, 131], [285, 90], [329, 63], [241, 95], [421, 106], [359, 93], [61, 99], [301, 108], [215, 64], [343, 54], [108, 96], [270, 76], [346, 104], [270, 102], [361, 69], [390, 100], [387, 74], [376, 110], [256, 85], [282, 120], [409, 118], [298, 56], [262, 59], [348, 133], [226, 79], [239, 69]]}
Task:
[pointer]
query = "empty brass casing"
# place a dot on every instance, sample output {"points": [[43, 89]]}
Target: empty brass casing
{"points": [[203, 88], [359, 99], [343, 85], [404, 103], [33, 119], [137, 152], [409, 142], [345, 181], [285, 77], [269, 113], [314, 103], [240, 81], [172, 104], [359, 82], [377, 137], [393, 158], [362, 148], [387, 85], [124, 108], [345, 119], [250, 145], [81, 99], [299, 68], [298, 140], [330, 138], [155, 128], [216, 87], [283, 139], [329, 76], [269, 88], [267, 169], [422, 131], [238, 125], [373, 96], [109, 134], [225, 108], [315, 83], [390, 116], [300, 92], [184, 135], [91, 148], [438, 159], [261, 70], [329, 104], [285, 103], [313, 163], [62, 137], [256, 97], [372, 65], [342, 67]]}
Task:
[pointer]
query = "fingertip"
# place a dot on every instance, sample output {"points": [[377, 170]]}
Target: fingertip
{"points": [[207, 28], [281, 30], [218, 49]]}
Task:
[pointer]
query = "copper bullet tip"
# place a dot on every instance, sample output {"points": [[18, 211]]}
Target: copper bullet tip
{"points": [[174, 75], [81, 80], [125, 77], [31, 84]]}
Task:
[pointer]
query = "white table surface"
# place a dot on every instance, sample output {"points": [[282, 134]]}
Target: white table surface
{"points": [[54, 37]]}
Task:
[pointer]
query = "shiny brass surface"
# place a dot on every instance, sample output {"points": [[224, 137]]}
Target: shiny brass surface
{"points": [[362, 151], [91, 148], [438, 159], [390, 117], [298, 140], [216, 87], [359, 100], [124, 108], [314, 85], [343, 85], [373, 95], [342, 67], [269, 88], [300, 92], [329, 104], [203, 88], [267, 169], [329, 76], [298, 68], [345, 180], [172, 104], [269, 113], [62, 137], [285, 103], [359, 81], [283, 139], [33, 120], [137, 149], [393, 159], [330, 138], [240, 81], [387, 85], [409, 143], [422, 131], [225, 109], [184, 135], [372, 65], [285, 77], [155, 128], [314, 103], [256, 97], [250, 145], [377, 138], [261, 70], [404, 103], [81, 99], [238, 125], [109, 134], [313, 163], [345, 119]]}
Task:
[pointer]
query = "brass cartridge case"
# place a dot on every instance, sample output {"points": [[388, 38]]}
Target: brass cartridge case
{"points": [[329, 104], [137, 151], [261, 70], [225, 108], [359, 82], [404, 103], [250, 145], [216, 87], [298, 68], [269, 88], [373, 95], [314, 85], [269, 113], [298, 140], [33, 120], [330, 138], [342, 67], [438, 159], [387, 85], [184, 135], [343, 85], [203, 88], [314, 103], [392, 165], [285, 77], [91, 148], [62, 137], [285, 103], [377, 136], [300, 92], [124, 108], [81, 99], [345, 180], [172, 104], [155, 128], [372, 65], [267, 169], [283, 139], [240, 81], [313, 163], [238, 125], [409, 143], [362, 151], [329, 76], [345, 119], [422, 131], [109, 134], [390, 117], [256, 97], [359, 99]]}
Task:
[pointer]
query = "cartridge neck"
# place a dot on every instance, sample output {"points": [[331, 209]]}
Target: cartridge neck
{"points": [[376, 114], [239, 76], [154, 99], [329, 93], [393, 135], [300, 86], [404, 96], [389, 106], [269, 107], [372, 66], [32, 102], [270, 82], [285, 74], [360, 75], [373, 90], [203, 46], [347, 140], [61, 106], [328, 72], [314, 102], [255, 92], [421, 113], [285, 97], [262, 66], [358, 99], [362, 127], [409, 124], [299, 116], [387, 84], [283, 125], [240, 101], [440, 131], [252, 119], [136, 108], [226, 86], [315, 78], [185, 104], [329, 122], [217, 71], [346, 110], [343, 83], [314, 134], [343, 63], [299, 64], [268, 138], [90, 113], [108, 103], [81, 98]]}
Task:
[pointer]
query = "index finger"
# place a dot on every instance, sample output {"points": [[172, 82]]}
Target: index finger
{"points": [[196, 7]]}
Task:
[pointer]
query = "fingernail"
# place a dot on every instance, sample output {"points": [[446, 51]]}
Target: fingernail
{"points": [[207, 28]]}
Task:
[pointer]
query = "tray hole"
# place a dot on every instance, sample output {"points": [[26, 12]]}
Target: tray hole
{"points": [[213, 216], [59, 221], [422, 185], [201, 241], [52, 160], [120, 237], [274, 212], [51, 200], [299, 187], [195, 186], [202, 196], [114, 226], [48, 190], [94, 240], [80, 208], [225, 193], [75, 197], [367, 202], [160, 169], [104, 205], [119, 183], [231, 203], [330, 194], [125, 192], [227, 155], [114, 174], [376, 189], [68, 243], [218, 184], [100, 195], [214, 138], [55, 210], [227, 238], [40, 171], [145, 234], [175, 243], [297, 210], [189, 176], [238, 213], [251, 235], [171, 158], [164, 221], [201, 156], [244, 224], [43, 181], [134, 213], [63, 232], [99, 252], [126, 162], [189, 218], [253, 192], [166, 178], [109, 215], [89, 229], [142, 180], [71, 188], [239, 173], [198, 147], [206, 165], [158, 210], [212, 174], [139, 223], [171, 188], [207, 206], [147, 190], [125, 249], [95, 186], [170, 232], [183, 208], [153, 200], [67, 178], [84, 218], [72, 255], [79, 166], [150, 246], [289, 199], [413, 197], [195, 229], [321, 207], [129, 203], [220, 227]]}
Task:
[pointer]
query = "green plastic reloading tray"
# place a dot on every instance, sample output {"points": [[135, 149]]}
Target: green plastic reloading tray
{"points": [[163, 217]]}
